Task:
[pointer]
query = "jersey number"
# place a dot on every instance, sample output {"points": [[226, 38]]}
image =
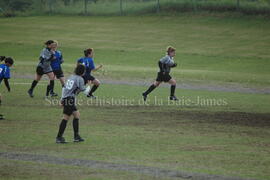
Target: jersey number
{"points": [[69, 84], [1, 69]]}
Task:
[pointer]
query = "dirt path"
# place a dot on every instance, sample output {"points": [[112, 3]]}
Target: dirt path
{"points": [[227, 87], [152, 171]]}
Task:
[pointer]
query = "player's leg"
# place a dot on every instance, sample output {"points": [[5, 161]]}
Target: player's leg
{"points": [[62, 127], [48, 90], [38, 76], [61, 77], [172, 82], [62, 81], [68, 109], [96, 84], [50, 87], [58, 74], [77, 137], [1, 115], [150, 89]]}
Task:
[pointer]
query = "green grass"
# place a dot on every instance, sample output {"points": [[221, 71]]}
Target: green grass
{"points": [[209, 49], [30, 171], [231, 139], [180, 137]]}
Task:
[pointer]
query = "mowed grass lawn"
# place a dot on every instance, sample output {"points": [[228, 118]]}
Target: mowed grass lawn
{"points": [[231, 139], [209, 49]]}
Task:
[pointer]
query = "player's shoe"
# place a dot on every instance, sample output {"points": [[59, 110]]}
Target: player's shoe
{"points": [[78, 139], [173, 98], [53, 94], [1, 117], [144, 96], [30, 92], [60, 140], [91, 96]]}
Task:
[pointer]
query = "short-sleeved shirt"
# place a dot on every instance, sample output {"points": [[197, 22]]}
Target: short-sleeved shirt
{"points": [[73, 86], [4, 72], [88, 62], [45, 58], [56, 63], [166, 63]]}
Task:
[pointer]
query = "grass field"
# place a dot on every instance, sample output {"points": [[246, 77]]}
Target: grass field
{"points": [[229, 140]]}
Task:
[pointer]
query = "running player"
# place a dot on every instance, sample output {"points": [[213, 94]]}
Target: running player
{"points": [[44, 67], [74, 85], [5, 74], [56, 67], [165, 65], [88, 61]]}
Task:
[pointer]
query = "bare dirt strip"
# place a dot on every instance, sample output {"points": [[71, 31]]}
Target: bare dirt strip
{"points": [[199, 85], [152, 171]]}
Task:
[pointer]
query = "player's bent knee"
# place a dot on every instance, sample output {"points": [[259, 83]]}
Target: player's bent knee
{"points": [[66, 117], [76, 114], [96, 82], [157, 84]]}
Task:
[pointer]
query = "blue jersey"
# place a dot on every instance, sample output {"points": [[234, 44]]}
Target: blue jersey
{"points": [[56, 63], [4, 72], [88, 62]]}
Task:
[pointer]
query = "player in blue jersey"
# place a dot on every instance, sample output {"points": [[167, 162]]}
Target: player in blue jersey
{"points": [[56, 67], [5, 74], [88, 61]]}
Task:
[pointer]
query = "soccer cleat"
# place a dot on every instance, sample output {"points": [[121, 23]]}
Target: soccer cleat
{"points": [[144, 96], [53, 94], [78, 139], [91, 96], [60, 140], [173, 98], [30, 92], [1, 117]]}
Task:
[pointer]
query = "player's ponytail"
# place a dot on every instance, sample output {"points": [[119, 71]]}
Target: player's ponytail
{"points": [[2, 58], [49, 42], [170, 49]]}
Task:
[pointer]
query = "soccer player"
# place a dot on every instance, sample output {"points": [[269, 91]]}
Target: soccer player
{"points": [[5, 74], [165, 65], [74, 85], [88, 61], [56, 67], [44, 67]]}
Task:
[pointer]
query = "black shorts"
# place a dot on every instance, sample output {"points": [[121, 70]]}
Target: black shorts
{"points": [[58, 73], [69, 104], [163, 77], [88, 77], [40, 71]]}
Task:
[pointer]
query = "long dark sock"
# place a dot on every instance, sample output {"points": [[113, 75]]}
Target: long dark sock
{"points": [[48, 90], [51, 86], [172, 89], [93, 89], [76, 127], [34, 83], [150, 89], [62, 128]]}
